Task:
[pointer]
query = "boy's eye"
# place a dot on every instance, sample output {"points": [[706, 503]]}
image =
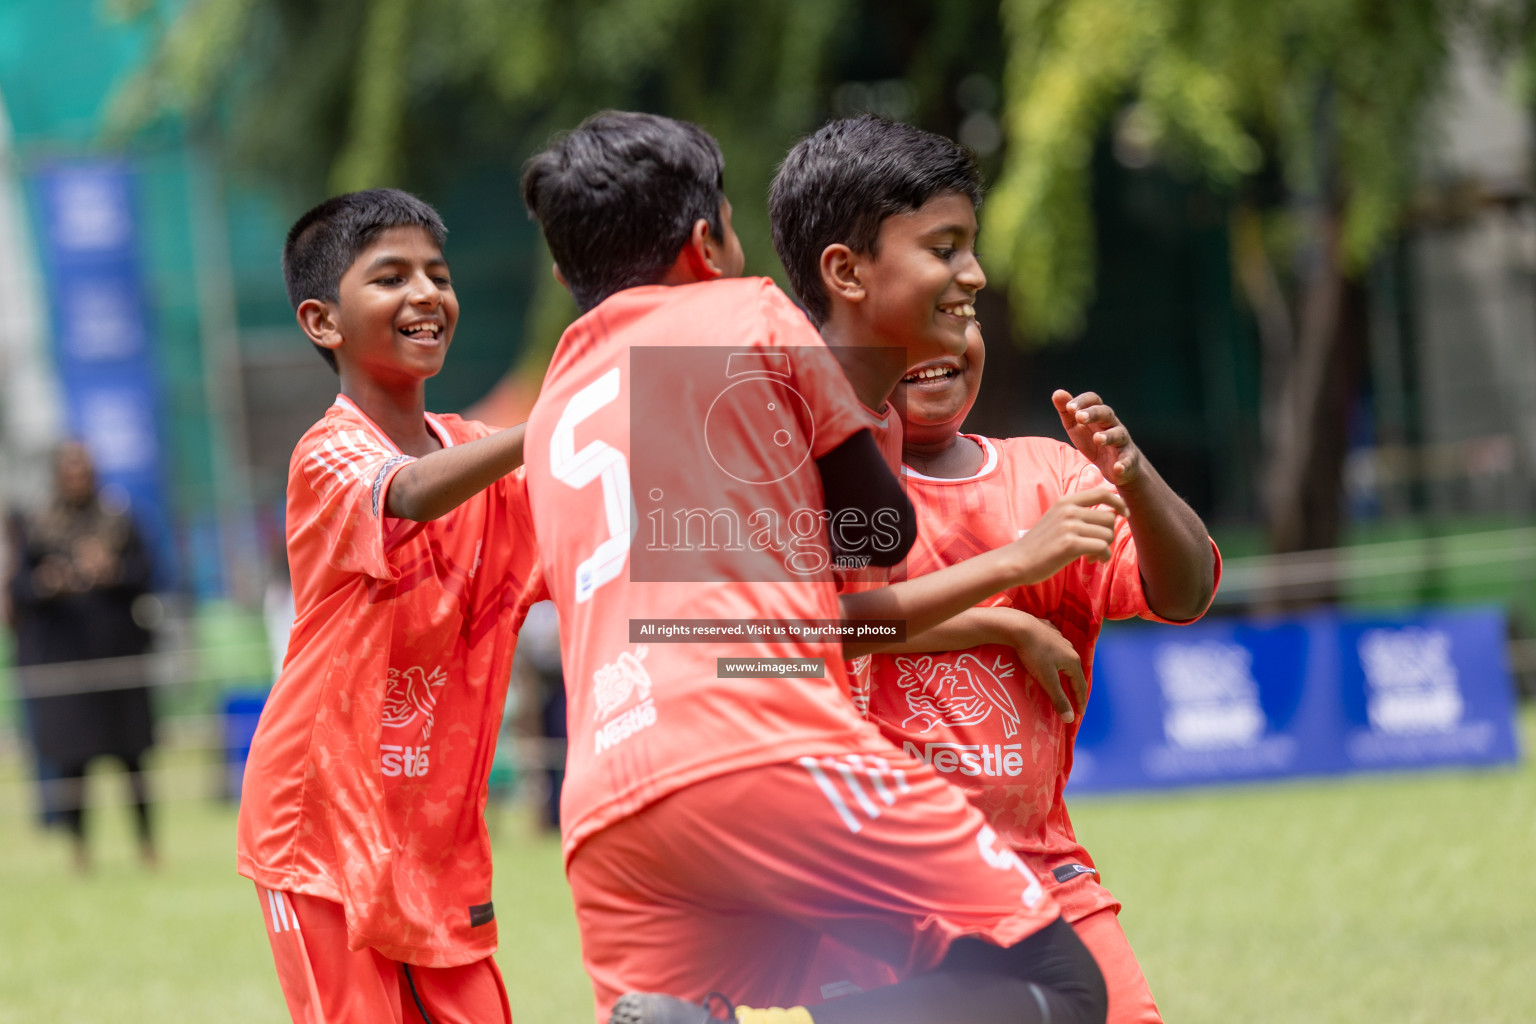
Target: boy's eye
{"points": [[390, 279], [442, 282], [944, 253]]}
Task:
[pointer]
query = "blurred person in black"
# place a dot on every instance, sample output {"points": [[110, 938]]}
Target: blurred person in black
{"points": [[77, 567]]}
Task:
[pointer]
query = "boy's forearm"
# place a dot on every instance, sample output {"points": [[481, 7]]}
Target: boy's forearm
{"points": [[1178, 567], [929, 600], [436, 484], [971, 628]]}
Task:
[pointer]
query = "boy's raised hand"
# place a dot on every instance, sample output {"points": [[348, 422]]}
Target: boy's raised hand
{"points": [[1077, 526], [1099, 435]]}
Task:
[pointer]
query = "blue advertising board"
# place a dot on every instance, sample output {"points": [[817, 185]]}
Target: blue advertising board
{"points": [[101, 330], [1228, 701]]}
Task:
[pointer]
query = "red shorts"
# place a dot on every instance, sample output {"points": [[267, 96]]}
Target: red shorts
{"points": [[324, 982], [1130, 1000], [730, 884]]}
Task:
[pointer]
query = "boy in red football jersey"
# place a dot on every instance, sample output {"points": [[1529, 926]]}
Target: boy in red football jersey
{"points": [[694, 449], [871, 263], [362, 814]]}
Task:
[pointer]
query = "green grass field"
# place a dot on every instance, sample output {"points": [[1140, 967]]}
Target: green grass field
{"points": [[1407, 898]]}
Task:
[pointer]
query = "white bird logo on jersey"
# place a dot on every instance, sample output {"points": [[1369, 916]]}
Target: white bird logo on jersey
{"points": [[859, 683], [962, 692], [613, 683], [411, 693]]}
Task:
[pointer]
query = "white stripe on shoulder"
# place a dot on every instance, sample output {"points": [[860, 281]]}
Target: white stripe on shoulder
{"points": [[358, 444], [342, 460], [372, 428], [324, 461]]}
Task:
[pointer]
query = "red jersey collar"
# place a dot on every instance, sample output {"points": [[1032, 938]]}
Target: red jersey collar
{"points": [[987, 447]]}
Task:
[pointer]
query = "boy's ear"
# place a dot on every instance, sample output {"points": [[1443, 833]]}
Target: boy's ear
{"points": [[700, 259], [318, 320], [840, 268], [554, 268], [703, 252]]}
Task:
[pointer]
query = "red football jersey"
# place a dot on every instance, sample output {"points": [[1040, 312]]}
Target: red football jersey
{"points": [[687, 418], [366, 782], [973, 714]]}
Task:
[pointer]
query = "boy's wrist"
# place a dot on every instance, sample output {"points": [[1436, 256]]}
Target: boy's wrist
{"points": [[1137, 486], [989, 625], [1022, 565]]}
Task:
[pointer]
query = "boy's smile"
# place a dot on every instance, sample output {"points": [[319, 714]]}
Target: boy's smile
{"points": [[935, 396], [397, 310], [921, 281]]}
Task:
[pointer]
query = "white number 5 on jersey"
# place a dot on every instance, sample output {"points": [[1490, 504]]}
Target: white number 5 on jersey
{"points": [[598, 460]]}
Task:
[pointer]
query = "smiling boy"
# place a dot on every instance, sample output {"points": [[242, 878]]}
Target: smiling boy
{"points": [[718, 825], [361, 819], [880, 244]]}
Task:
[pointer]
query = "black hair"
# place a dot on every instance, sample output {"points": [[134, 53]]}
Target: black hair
{"points": [[323, 243], [838, 184], [618, 196]]}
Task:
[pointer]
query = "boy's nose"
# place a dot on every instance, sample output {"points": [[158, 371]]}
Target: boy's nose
{"points": [[425, 292], [971, 275]]}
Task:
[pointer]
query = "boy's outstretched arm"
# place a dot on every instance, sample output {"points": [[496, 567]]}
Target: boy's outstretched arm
{"points": [[436, 484], [1072, 528], [1178, 567]]}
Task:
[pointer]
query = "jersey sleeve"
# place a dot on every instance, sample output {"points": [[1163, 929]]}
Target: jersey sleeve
{"points": [[530, 564], [835, 410], [1115, 587], [344, 477]]}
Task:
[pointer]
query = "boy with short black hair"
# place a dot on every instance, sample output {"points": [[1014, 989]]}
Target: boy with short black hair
{"points": [[717, 825], [362, 814], [877, 230]]}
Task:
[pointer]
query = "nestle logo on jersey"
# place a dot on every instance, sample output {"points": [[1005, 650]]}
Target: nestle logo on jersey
{"points": [[397, 760], [641, 716], [995, 760], [615, 684]]}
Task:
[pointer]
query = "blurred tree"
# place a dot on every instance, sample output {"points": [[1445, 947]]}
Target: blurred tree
{"points": [[1509, 30], [320, 96], [1307, 112]]}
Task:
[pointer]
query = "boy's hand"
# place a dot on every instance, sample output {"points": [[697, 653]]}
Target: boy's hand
{"points": [[1099, 435], [1072, 528], [1047, 656]]}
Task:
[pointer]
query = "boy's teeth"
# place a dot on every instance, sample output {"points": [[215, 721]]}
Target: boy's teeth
{"points": [[965, 309], [931, 373]]}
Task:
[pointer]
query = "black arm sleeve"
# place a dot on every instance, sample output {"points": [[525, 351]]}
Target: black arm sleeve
{"points": [[1064, 980], [870, 515]]}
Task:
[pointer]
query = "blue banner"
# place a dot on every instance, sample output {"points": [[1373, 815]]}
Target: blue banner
{"points": [[1228, 701], [101, 332]]}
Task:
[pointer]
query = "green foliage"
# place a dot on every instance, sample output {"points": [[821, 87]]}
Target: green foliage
{"points": [[1328, 96], [343, 94], [1296, 106], [319, 96], [1509, 30]]}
